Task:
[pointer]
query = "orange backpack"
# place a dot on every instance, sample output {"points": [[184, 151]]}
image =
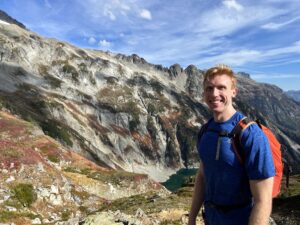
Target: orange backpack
{"points": [[274, 145]]}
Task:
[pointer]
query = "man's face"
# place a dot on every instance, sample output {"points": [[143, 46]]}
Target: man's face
{"points": [[218, 93]]}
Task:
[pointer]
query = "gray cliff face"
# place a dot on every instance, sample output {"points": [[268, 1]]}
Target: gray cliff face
{"points": [[121, 111], [194, 81], [294, 95]]}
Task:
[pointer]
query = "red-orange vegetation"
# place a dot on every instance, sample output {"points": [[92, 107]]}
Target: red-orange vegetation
{"points": [[142, 139], [98, 127], [120, 130]]}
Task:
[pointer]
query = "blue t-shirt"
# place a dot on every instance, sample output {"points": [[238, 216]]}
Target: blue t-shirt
{"points": [[226, 178]]}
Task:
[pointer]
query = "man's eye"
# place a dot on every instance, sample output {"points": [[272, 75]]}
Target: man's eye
{"points": [[208, 89]]}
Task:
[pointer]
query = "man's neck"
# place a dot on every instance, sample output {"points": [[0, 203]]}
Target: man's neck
{"points": [[224, 116]]}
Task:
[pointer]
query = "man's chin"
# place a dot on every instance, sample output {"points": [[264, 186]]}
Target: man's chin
{"points": [[216, 108]]}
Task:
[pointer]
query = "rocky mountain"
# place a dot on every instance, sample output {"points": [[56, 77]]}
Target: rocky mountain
{"points": [[43, 182], [120, 111], [294, 94]]}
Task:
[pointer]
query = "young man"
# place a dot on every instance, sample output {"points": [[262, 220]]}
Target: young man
{"points": [[233, 193]]}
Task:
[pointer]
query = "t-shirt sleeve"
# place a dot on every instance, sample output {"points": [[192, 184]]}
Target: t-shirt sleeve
{"points": [[258, 156]]}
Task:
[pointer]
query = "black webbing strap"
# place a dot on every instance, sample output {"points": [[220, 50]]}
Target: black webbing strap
{"points": [[235, 134], [236, 137], [226, 208]]}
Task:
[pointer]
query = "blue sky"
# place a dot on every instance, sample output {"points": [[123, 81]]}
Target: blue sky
{"points": [[261, 38]]}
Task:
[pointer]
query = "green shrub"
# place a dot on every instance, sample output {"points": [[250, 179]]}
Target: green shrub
{"points": [[7, 216], [65, 215], [156, 86], [53, 129], [133, 125], [105, 63], [105, 139], [67, 68], [53, 158], [92, 80], [43, 70], [72, 170], [121, 70], [83, 68], [53, 81], [83, 209], [111, 80], [151, 109], [58, 62], [171, 222], [132, 108], [151, 127], [24, 193], [12, 152], [38, 105]]}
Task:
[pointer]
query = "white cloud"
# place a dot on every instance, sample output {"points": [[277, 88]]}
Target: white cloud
{"points": [[269, 58], [232, 4], [276, 26], [125, 7], [109, 13], [258, 76], [132, 41], [293, 48], [233, 58], [104, 44], [219, 22], [112, 9], [92, 41], [145, 14]]}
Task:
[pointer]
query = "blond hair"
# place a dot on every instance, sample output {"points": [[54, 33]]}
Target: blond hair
{"points": [[220, 69]]}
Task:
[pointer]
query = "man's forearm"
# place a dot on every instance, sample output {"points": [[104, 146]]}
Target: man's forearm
{"points": [[260, 213], [262, 196], [198, 197], [196, 205]]}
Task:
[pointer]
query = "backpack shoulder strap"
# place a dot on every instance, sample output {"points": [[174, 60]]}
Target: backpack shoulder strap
{"points": [[236, 134], [202, 130]]}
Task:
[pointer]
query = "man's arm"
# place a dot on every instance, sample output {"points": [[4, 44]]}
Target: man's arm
{"points": [[198, 196], [262, 196]]}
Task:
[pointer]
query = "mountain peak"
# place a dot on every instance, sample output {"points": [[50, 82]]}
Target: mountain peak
{"points": [[6, 18]]}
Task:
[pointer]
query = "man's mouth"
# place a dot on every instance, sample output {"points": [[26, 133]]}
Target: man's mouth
{"points": [[216, 101]]}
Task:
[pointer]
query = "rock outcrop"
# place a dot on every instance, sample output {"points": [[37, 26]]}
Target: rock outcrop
{"points": [[43, 182]]}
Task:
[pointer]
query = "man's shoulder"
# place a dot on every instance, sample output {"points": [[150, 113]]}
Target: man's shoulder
{"points": [[238, 116], [253, 132]]}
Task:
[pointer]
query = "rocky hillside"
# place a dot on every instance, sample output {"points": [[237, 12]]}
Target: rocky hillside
{"points": [[43, 182], [294, 94], [120, 111]]}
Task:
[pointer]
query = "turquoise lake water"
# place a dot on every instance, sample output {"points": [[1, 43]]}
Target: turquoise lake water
{"points": [[176, 180]]}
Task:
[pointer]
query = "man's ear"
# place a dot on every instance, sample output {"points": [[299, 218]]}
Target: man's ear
{"points": [[234, 91]]}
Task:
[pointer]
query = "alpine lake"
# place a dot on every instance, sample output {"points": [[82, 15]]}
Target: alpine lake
{"points": [[179, 179]]}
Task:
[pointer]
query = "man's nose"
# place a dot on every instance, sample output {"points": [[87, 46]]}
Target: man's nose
{"points": [[215, 91]]}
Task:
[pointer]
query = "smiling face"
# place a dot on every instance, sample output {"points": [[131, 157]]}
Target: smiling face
{"points": [[218, 93]]}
